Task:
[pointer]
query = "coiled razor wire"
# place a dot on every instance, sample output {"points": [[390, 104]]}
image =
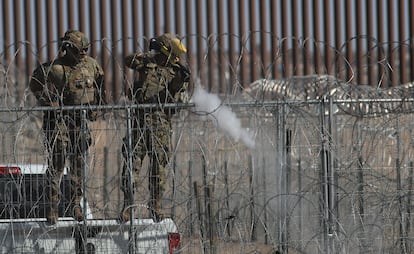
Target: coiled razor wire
{"points": [[357, 100]]}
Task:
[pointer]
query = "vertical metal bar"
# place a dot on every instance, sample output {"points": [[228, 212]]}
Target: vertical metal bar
{"points": [[17, 33], [254, 60], [190, 182], [84, 175], [174, 178], [265, 203], [301, 193], [136, 15], [226, 186], [125, 45], [287, 176], [324, 178], [338, 30], [146, 22], [274, 39], [168, 21], [327, 15], [307, 47], [106, 179], [402, 27], [28, 35], [264, 35], [93, 28], [251, 200], [402, 230], [39, 31], [286, 63], [360, 187], [105, 48], [178, 10], [81, 15], [392, 39], [129, 162], [411, 35], [6, 30], [200, 37], [382, 58], [232, 48], [318, 37], [372, 65], [349, 17], [284, 185], [409, 196], [281, 155], [400, 193], [223, 67], [190, 200], [297, 70], [211, 53], [332, 176], [190, 39], [116, 80], [360, 44], [18, 49], [60, 17], [71, 14], [50, 35], [157, 18], [206, 197], [243, 33]]}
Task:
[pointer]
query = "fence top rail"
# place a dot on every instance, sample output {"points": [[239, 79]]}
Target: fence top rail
{"points": [[256, 103]]}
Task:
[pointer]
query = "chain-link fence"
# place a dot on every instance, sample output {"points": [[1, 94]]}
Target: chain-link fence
{"points": [[312, 183]]}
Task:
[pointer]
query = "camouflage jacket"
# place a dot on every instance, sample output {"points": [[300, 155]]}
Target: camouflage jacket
{"points": [[157, 83], [60, 83]]}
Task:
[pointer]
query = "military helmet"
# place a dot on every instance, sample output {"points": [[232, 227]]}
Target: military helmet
{"points": [[77, 39], [168, 44]]}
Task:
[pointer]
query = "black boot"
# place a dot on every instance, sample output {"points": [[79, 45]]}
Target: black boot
{"points": [[53, 213], [125, 214], [77, 213], [155, 210]]}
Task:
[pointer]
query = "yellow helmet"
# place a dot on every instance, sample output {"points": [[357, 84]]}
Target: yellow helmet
{"points": [[169, 45]]}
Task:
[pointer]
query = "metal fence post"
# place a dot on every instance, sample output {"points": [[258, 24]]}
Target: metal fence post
{"points": [[84, 230], [131, 179]]}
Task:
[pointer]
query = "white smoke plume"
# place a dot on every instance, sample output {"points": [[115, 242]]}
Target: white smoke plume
{"points": [[223, 118]]}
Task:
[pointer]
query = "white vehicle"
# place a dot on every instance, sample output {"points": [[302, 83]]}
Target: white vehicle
{"points": [[23, 226]]}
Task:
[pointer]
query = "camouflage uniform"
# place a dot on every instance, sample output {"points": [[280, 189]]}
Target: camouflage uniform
{"points": [[72, 79], [161, 79]]}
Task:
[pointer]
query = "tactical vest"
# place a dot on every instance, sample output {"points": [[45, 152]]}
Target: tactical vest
{"points": [[153, 83], [79, 88]]}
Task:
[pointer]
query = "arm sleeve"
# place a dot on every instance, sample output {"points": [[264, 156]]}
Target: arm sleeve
{"points": [[134, 61], [39, 85], [100, 85], [182, 82]]}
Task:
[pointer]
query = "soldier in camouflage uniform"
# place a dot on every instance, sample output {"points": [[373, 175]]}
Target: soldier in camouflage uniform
{"points": [[161, 79], [72, 79]]}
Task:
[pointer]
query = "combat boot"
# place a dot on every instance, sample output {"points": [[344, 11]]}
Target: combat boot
{"points": [[126, 210], [52, 214], [155, 210], [77, 213]]}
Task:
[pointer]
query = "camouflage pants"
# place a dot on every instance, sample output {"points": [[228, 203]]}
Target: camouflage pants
{"points": [[64, 141], [151, 135]]}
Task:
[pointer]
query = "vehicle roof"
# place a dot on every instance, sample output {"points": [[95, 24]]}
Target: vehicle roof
{"points": [[28, 169]]}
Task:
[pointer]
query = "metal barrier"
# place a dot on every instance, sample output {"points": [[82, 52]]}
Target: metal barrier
{"points": [[314, 183]]}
